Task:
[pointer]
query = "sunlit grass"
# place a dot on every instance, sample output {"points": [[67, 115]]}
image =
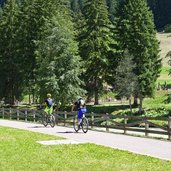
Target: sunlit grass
{"points": [[20, 152]]}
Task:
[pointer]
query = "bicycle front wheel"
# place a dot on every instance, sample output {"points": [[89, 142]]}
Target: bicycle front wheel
{"points": [[84, 124], [52, 121]]}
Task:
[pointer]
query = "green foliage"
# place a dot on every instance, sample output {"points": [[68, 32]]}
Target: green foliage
{"points": [[58, 61], [112, 5], [33, 27], [156, 112], [168, 100], [135, 32], [95, 42], [11, 62], [125, 79], [167, 28]]}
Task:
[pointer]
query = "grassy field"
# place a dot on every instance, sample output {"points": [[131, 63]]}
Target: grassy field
{"points": [[20, 152]]}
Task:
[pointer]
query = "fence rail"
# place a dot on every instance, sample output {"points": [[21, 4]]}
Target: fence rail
{"points": [[144, 125]]}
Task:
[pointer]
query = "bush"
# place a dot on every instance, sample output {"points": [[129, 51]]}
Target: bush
{"points": [[167, 28]]}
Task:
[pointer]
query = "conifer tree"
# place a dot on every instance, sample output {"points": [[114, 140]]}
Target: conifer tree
{"points": [[10, 62], [33, 25], [58, 60], [135, 32], [95, 43]]}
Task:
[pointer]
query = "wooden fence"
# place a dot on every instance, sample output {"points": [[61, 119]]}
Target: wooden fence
{"points": [[144, 125]]}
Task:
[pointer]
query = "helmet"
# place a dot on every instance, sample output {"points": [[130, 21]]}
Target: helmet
{"points": [[49, 95], [79, 97]]}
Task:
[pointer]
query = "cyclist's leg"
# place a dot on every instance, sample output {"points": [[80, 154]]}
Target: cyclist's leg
{"points": [[50, 110], [80, 115], [46, 111]]}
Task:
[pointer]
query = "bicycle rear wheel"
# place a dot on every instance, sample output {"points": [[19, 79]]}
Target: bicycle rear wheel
{"points": [[76, 127], [52, 120], [45, 120], [84, 124]]}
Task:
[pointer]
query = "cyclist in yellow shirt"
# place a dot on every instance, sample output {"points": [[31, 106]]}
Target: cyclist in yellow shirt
{"points": [[49, 104]]}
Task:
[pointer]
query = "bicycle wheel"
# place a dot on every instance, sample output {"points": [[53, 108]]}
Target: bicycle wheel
{"points": [[76, 127], [84, 124], [52, 120], [44, 120]]}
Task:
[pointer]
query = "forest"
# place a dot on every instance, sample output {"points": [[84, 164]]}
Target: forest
{"points": [[80, 47]]}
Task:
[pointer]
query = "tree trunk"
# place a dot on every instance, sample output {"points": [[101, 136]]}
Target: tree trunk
{"points": [[96, 98], [130, 106], [135, 104], [140, 105], [88, 100], [96, 95]]}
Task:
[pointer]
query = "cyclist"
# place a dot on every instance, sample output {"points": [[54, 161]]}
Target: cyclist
{"points": [[49, 104], [81, 108]]}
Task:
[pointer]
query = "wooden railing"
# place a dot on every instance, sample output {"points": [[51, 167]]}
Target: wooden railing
{"points": [[144, 125]]}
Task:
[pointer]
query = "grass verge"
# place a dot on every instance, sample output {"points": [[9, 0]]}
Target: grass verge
{"points": [[19, 151]]}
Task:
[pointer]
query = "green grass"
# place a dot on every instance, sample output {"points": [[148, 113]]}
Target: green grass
{"points": [[158, 101], [19, 151], [165, 70]]}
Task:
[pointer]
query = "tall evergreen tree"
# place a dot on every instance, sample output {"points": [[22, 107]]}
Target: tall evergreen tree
{"points": [[10, 62], [94, 43], [58, 60], [136, 33], [33, 19]]}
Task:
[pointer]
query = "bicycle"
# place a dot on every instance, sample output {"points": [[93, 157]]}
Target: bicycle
{"points": [[48, 119], [83, 124]]}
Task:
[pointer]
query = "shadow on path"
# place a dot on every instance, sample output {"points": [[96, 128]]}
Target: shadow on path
{"points": [[68, 132], [37, 127]]}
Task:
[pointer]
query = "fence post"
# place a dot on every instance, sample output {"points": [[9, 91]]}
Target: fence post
{"points": [[3, 113], [26, 115], [18, 117], [34, 116], [10, 111], [56, 118], [65, 117], [107, 122], [92, 119], [169, 127], [125, 123], [146, 127]]}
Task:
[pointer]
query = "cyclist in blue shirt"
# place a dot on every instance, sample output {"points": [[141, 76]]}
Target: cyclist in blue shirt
{"points": [[49, 104], [81, 108]]}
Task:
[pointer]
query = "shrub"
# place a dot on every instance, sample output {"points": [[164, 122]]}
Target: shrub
{"points": [[167, 28]]}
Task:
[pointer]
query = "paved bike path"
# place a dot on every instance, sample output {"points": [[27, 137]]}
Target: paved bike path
{"points": [[146, 146]]}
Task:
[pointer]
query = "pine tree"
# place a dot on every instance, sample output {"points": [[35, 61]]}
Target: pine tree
{"points": [[95, 44], [125, 78], [10, 60], [136, 33], [58, 60], [33, 19]]}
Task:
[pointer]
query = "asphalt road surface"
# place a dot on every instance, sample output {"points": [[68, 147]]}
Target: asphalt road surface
{"points": [[146, 146]]}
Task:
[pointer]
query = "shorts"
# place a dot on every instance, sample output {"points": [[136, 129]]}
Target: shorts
{"points": [[81, 111], [48, 110]]}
